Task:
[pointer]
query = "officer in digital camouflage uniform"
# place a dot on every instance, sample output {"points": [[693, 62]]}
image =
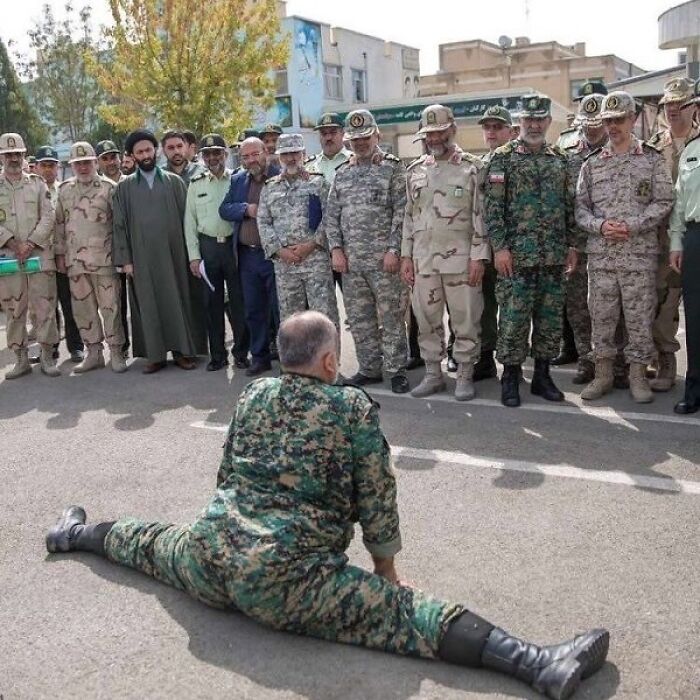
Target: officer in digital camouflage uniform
{"points": [[304, 460], [529, 214], [570, 136], [291, 230], [576, 314], [443, 251], [84, 253], [624, 193], [670, 141], [364, 219], [26, 231]]}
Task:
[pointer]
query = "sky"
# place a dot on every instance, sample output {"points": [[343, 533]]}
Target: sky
{"points": [[627, 28]]}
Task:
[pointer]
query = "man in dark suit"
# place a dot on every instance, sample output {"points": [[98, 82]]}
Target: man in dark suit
{"points": [[257, 273]]}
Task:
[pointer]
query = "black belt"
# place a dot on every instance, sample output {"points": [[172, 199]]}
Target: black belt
{"points": [[218, 239], [252, 247]]}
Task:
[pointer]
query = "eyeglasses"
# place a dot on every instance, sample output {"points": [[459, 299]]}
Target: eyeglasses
{"points": [[251, 156]]}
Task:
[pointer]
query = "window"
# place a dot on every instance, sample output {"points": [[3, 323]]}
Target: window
{"points": [[332, 82], [359, 85], [281, 86]]}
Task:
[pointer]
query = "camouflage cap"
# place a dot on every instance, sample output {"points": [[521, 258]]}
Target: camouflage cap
{"points": [[591, 87], [677, 90], [359, 124], [695, 97], [81, 150], [210, 142], [617, 104], [497, 113], [589, 110], [436, 118], [290, 143], [535, 105], [270, 129], [12, 143], [330, 119], [106, 146], [46, 153]]}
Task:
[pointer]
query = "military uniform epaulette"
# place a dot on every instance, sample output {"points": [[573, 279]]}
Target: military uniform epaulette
{"points": [[311, 159], [572, 146], [652, 147], [569, 130], [35, 176], [69, 181], [391, 156], [654, 139], [415, 162], [343, 164], [470, 158], [506, 149], [199, 176], [593, 153]]}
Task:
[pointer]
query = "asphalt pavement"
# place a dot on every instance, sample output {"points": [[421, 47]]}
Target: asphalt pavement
{"points": [[546, 520]]}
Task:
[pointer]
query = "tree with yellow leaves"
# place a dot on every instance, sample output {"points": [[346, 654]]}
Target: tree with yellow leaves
{"points": [[199, 64]]}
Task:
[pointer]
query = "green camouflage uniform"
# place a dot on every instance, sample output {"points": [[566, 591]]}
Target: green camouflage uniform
{"points": [[529, 211], [303, 461], [283, 220], [364, 218]]}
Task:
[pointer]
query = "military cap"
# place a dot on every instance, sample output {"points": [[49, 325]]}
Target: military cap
{"points": [[695, 97], [329, 119], [46, 153], [436, 118], [359, 124], [589, 111], [591, 87], [617, 104], [536, 105], [31, 160], [290, 143], [271, 129], [81, 150], [677, 90], [12, 143], [212, 141], [139, 135], [497, 113], [106, 146]]}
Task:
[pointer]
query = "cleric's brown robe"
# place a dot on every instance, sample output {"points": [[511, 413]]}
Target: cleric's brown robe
{"points": [[167, 313]]}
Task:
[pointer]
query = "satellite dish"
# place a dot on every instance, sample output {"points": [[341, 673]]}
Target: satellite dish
{"points": [[505, 42]]}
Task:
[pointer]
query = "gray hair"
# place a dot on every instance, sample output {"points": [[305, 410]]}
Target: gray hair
{"points": [[303, 337]]}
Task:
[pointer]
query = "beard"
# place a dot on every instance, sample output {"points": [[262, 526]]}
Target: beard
{"points": [[146, 164], [291, 169]]}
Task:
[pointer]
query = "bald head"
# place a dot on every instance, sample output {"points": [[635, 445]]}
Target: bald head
{"points": [[254, 156], [307, 343]]}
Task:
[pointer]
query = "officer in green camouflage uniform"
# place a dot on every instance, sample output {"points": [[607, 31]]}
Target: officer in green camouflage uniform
{"points": [[304, 460], [84, 252], [26, 231], [530, 221], [364, 219], [292, 235]]}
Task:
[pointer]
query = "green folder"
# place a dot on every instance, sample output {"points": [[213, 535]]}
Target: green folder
{"points": [[11, 266]]}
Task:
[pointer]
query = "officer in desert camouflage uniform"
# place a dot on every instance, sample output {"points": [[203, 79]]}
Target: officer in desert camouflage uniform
{"points": [[670, 141], [304, 460], [530, 221], [364, 219], [26, 231], [291, 232], [624, 192], [443, 251], [84, 252]]}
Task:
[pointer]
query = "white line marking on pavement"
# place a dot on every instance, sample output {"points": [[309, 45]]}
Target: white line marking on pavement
{"points": [[604, 413], [566, 471]]}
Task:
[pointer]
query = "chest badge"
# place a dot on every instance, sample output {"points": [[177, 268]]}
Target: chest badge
{"points": [[644, 188]]}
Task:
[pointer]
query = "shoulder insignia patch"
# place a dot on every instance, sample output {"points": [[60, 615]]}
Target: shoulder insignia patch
{"points": [[415, 162], [593, 153], [311, 159], [651, 147], [391, 156], [198, 176]]}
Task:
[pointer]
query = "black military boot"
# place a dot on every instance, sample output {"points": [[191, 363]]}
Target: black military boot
{"points": [[485, 368], [71, 534], [542, 384], [510, 389], [554, 671], [567, 354], [585, 372]]}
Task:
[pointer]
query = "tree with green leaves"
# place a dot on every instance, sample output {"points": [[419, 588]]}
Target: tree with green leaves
{"points": [[202, 66], [16, 113]]}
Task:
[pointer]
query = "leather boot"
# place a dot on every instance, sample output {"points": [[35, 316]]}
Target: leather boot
{"points": [[585, 372], [542, 383], [117, 360], [485, 368], [22, 365], [71, 534], [555, 671], [93, 360], [47, 363], [666, 372], [432, 382], [567, 354], [603, 382], [639, 384], [464, 388], [510, 389]]}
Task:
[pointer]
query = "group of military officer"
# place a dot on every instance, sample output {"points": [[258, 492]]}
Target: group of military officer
{"points": [[551, 216]]}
